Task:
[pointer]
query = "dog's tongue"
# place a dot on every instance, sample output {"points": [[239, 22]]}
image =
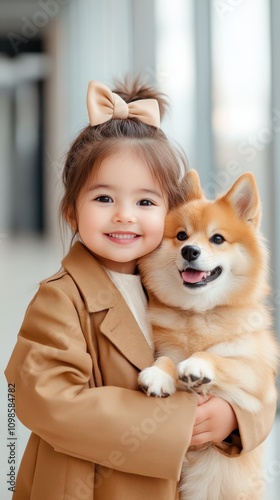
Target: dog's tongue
{"points": [[192, 276]]}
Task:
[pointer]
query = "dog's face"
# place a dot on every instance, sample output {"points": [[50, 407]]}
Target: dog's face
{"points": [[211, 253]]}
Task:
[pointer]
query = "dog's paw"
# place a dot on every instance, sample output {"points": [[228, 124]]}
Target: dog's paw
{"points": [[156, 382], [195, 372]]}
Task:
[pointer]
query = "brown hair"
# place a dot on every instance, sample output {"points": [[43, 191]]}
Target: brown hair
{"points": [[167, 162]]}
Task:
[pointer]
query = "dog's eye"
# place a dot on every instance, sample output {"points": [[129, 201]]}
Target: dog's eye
{"points": [[218, 239], [181, 236]]}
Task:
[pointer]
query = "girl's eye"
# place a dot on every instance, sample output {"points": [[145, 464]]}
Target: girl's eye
{"points": [[145, 203], [104, 199], [218, 239], [182, 236]]}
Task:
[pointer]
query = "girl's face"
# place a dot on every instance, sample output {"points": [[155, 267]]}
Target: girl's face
{"points": [[121, 211]]}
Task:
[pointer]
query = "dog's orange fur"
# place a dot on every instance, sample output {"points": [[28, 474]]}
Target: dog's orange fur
{"points": [[216, 337]]}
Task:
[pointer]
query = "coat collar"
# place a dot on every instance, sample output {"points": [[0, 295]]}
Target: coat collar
{"points": [[97, 289], [99, 294]]}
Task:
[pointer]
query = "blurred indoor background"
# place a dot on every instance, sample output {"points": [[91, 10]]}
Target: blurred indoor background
{"points": [[218, 61]]}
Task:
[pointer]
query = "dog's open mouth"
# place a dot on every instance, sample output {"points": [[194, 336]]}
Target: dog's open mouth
{"points": [[194, 278]]}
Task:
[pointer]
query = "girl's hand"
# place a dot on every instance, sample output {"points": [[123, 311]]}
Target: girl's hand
{"points": [[215, 420]]}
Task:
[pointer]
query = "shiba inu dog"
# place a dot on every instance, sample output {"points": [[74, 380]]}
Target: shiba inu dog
{"points": [[207, 285]]}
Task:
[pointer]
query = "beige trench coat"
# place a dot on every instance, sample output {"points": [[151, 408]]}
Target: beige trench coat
{"points": [[95, 435]]}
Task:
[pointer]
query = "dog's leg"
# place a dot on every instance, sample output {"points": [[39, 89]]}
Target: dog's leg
{"points": [[160, 379], [196, 373], [235, 380]]}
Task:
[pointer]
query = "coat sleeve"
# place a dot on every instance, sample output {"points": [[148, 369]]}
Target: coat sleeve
{"points": [[253, 428], [119, 428]]}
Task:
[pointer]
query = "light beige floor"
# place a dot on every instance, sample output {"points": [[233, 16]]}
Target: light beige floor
{"points": [[23, 263]]}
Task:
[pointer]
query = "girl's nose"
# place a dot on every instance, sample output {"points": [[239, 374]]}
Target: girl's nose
{"points": [[124, 216]]}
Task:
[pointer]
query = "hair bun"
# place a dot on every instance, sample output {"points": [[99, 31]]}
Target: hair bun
{"points": [[134, 89]]}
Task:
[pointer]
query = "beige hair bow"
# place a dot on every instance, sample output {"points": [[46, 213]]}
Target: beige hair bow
{"points": [[103, 105]]}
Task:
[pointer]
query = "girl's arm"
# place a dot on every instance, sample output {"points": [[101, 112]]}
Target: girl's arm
{"points": [[217, 420], [120, 428]]}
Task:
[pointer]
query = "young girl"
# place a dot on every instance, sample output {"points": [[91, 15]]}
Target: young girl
{"points": [[84, 339]]}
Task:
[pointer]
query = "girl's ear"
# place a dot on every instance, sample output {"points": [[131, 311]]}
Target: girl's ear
{"points": [[71, 219], [244, 199], [191, 186]]}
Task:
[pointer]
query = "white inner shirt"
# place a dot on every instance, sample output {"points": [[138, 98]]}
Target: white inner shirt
{"points": [[131, 288]]}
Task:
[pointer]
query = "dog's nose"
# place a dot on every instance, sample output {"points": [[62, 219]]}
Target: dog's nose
{"points": [[190, 252]]}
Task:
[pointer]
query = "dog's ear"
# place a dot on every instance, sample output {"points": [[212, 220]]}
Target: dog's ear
{"points": [[244, 199], [191, 186]]}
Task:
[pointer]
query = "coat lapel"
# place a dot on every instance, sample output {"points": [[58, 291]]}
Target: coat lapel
{"points": [[99, 293], [121, 328]]}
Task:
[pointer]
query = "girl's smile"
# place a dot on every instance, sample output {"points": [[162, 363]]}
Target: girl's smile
{"points": [[123, 238]]}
